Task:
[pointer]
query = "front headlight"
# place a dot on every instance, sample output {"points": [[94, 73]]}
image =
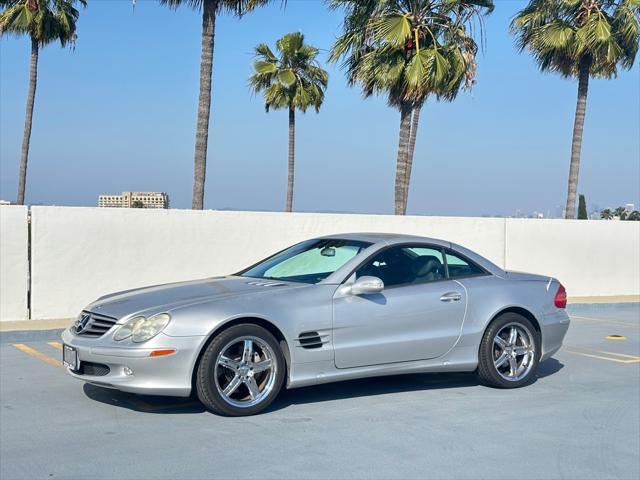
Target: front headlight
{"points": [[126, 329], [141, 329], [149, 328]]}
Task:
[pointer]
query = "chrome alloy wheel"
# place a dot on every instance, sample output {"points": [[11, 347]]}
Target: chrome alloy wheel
{"points": [[245, 371], [514, 350]]}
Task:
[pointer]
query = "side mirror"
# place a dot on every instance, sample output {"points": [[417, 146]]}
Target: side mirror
{"points": [[365, 285]]}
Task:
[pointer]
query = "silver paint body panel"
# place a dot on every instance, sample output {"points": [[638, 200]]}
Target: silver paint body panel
{"points": [[403, 329]]}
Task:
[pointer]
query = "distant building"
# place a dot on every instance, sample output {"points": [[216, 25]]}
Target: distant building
{"points": [[135, 199], [6, 202], [629, 207]]}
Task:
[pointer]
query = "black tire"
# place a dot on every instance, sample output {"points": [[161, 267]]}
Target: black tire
{"points": [[206, 388], [487, 372]]}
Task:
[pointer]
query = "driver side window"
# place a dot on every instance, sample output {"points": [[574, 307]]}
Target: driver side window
{"points": [[405, 265]]}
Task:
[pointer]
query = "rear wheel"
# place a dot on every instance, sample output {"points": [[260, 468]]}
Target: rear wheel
{"points": [[241, 371], [509, 352]]}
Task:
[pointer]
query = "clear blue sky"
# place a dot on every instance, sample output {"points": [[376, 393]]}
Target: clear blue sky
{"points": [[119, 112]]}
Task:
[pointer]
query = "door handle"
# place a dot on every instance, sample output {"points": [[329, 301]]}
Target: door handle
{"points": [[450, 297]]}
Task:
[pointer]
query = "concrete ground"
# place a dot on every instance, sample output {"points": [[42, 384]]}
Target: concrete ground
{"points": [[579, 420]]}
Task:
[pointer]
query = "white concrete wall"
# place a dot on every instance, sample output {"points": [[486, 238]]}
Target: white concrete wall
{"points": [[14, 268], [590, 257], [79, 254]]}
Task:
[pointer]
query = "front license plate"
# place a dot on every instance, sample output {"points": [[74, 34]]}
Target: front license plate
{"points": [[70, 357]]}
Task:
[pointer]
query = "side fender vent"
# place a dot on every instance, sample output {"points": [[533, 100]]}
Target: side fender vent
{"points": [[311, 340]]}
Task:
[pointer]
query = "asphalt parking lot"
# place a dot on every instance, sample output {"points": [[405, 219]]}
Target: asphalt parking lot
{"points": [[579, 420]]}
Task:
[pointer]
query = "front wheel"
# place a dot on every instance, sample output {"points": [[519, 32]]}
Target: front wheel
{"points": [[509, 352], [241, 371]]}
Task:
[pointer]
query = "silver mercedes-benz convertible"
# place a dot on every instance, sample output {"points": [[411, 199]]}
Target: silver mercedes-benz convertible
{"points": [[324, 310]]}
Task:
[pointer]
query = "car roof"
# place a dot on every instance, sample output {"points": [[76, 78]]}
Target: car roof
{"points": [[386, 238], [382, 240]]}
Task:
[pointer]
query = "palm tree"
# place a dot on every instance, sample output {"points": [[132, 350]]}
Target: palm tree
{"points": [[409, 50], [634, 216], [579, 39], [210, 9], [292, 79], [44, 21], [620, 212], [606, 214]]}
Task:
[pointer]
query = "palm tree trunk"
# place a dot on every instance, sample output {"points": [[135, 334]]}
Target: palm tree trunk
{"points": [[28, 121], [401, 163], [415, 121], [576, 145], [209, 8], [291, 166]]}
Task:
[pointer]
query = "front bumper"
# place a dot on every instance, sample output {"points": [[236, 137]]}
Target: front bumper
{"points": [[165, 375]]}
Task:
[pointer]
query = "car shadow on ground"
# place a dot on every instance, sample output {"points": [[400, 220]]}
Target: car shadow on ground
{"points": [[367, 387]]}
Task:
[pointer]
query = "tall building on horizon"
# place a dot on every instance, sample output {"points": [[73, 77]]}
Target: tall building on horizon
{"points": [[135, 200]]}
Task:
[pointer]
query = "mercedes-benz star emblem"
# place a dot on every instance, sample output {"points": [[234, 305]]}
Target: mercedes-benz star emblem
{"points": [[81, 323]]}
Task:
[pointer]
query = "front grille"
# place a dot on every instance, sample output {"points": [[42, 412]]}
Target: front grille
{"points": [[94, 325], [94, 369]]}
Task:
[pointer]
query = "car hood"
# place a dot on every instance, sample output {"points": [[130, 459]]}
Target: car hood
{"points": [[162, 298]]}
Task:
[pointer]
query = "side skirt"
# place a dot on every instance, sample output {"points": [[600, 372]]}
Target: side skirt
{"points": [[315, 373]]}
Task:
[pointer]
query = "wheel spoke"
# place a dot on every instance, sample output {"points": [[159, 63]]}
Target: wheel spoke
{"points": [[513, 336], [251, 384], [247, 353], [262, 366], [232, 386], [513, 366], [522, 350], [501, 342], [228, 363], [501, 360]]}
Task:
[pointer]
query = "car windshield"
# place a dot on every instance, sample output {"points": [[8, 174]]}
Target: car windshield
{"points": [[307, 262]]}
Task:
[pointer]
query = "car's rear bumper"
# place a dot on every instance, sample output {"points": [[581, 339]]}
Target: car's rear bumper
{"points": [[162, 375], [554, 329]]}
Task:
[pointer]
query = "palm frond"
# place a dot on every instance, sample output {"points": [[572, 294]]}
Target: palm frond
{"points": [[264, 67], [235, 7], [393, 29]]}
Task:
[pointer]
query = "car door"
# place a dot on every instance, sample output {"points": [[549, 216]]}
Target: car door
{"points": [[417, 316]]}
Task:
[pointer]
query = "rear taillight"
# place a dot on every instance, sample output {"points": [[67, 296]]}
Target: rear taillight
{"points": [[560, 300]]}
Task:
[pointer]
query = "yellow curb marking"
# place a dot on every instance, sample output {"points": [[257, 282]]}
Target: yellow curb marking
{"points": [[57, 345], [604, 322], [635, 359], [40, 356], [620, 355]]}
